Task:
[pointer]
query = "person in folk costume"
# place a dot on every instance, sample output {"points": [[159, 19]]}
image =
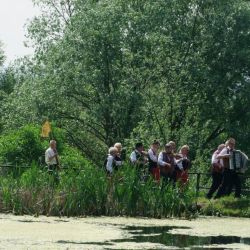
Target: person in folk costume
{"points": [[167, 163], [153, 160], [217, 171], [52, 160], [118, 157], [113, 161], [230, 177], [139, 160], [183, 165], [121, 151], [173, 145]]}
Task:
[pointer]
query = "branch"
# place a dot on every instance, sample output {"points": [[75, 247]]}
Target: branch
{"points": [[217, 131], [94, 131], [58, 11]]}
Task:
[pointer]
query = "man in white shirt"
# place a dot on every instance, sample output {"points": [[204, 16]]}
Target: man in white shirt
{"points": [[137, 157], [167, 163], [52, 159]]}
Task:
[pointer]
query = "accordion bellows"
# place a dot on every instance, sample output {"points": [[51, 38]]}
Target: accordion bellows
{"points": [[238, 161]]}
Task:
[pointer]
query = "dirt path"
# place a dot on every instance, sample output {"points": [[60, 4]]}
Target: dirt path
{"points": [[27, 232]]}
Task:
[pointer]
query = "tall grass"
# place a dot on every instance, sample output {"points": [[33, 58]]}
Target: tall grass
{"points": [[89, 191]]}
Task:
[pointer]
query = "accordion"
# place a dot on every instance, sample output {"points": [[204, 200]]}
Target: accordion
{"points": [[238, 161]]}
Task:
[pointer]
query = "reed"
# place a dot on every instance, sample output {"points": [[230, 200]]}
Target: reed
{"points": [[88, 191]]}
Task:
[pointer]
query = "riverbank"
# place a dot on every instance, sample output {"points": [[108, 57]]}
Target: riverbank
{"points": [[225, 206], [24, 232]]}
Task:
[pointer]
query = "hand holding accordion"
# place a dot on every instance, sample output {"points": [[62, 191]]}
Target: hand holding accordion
{"points": [[238, 161]]}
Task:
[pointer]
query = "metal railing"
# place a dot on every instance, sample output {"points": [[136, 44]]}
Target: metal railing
{"points": [[200, 186]]}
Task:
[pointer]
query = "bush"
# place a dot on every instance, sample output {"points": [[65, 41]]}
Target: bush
{"points": [[72, 158], [22, 146]]}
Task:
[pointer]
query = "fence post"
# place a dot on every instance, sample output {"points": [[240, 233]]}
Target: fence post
{"points": [[198, 184]]}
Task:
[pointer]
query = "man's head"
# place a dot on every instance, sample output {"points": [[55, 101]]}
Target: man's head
{"points": [[139, 146], [52, 144], [113, 151], [155, 145], [173, 145], [168, 148], [231, 143]]}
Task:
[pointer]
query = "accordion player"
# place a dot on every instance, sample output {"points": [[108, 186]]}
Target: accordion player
{"points": [[238, 161]]}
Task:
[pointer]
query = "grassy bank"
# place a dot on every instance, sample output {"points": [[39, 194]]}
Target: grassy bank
{"points": [[226, 206], [90, 192]]}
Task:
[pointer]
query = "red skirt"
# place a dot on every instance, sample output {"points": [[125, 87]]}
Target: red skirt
{"points": [[155, 172], [182, 176]]}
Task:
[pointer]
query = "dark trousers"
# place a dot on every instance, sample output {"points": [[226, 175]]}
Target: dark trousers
{"points": [[168, 178], [230, 179], [53, 170], [216, 182], [235, 182]]}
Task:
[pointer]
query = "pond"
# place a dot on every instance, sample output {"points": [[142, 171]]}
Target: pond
{"points": [[123, 233], [164, 236]]}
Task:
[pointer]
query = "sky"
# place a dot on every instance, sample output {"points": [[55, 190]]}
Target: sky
{"points": [[13, 16]]}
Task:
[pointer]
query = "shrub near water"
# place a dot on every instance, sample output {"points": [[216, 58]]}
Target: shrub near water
{"points": [[22, 145], [90, 192]]}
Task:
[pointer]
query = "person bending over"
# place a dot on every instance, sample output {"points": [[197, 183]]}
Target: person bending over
{"points": [[217, 171]]}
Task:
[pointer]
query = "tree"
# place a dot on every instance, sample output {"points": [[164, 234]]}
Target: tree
{"points": [[113, 70]]}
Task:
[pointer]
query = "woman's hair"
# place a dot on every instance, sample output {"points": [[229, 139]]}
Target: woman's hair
{"points": [[184, 147], [118, 145], [113, 150]]}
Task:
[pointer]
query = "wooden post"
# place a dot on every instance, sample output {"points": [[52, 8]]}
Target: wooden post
{"points": [[198, 184]]}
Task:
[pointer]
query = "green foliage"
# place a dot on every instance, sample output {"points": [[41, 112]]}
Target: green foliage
{"points": [[72, 157], [119, 70], [22, 146], [89, 191]]}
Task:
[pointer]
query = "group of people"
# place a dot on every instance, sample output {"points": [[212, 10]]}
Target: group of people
{"points": [[168, 164], [227, 165]]}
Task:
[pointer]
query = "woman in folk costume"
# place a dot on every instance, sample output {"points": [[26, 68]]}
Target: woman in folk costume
{"points": [[111, 163], [183, 164], [217, 171], [153, 160], [118, 157], [167, 163]]}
